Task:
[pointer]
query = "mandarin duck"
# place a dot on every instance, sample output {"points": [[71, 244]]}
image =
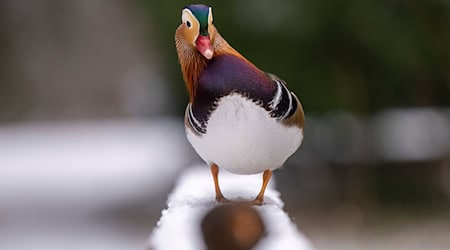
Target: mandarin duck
{"points": [[238, 118]]}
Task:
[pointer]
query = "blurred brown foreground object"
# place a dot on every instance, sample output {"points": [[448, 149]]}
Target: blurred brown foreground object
{"points": [[193, 220], [232, 226]]}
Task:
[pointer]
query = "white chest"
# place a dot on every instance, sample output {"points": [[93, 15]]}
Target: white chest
{"points": [[243, 138]]}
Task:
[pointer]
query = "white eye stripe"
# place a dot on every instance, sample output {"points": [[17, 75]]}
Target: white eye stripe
{"points": [[210, 16], [188, 18]]}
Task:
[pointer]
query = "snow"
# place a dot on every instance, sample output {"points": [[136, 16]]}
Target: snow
{"points": [[62, 183], [411, 134], [193, 197], [75, 163]]}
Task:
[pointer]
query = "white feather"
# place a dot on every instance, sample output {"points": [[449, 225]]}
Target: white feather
{"points": [[276, 99], [243, 138]]}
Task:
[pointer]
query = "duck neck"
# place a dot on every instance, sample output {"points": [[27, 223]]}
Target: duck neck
{"points": [[192, 64]]}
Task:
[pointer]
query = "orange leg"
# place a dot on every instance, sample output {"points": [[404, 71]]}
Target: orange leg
{"points": [[215, 174], [266, 178]]}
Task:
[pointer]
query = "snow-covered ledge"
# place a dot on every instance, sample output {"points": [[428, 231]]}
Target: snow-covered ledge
{"points": [[193, 197]]}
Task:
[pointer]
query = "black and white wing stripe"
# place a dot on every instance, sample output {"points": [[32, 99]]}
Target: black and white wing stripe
{"points": [[196, 125], [284, 102]]}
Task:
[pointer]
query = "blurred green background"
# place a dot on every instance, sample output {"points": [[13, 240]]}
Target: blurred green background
{"points": [[359, 56], [373, 77]]}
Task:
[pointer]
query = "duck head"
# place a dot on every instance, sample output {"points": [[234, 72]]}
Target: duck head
{"points": [[197, 28]]}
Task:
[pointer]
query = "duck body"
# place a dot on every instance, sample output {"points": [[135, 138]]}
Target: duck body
{"points": [[239, 118], [232, 123]]}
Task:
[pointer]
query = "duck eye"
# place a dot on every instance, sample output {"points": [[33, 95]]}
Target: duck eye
{"points": [[188, 24]]}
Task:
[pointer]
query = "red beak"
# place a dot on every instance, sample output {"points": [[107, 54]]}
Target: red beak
{"points": [[203, 45]]}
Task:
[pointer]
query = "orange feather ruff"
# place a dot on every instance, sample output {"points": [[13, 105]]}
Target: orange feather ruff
{"points": [[193, 63]]}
